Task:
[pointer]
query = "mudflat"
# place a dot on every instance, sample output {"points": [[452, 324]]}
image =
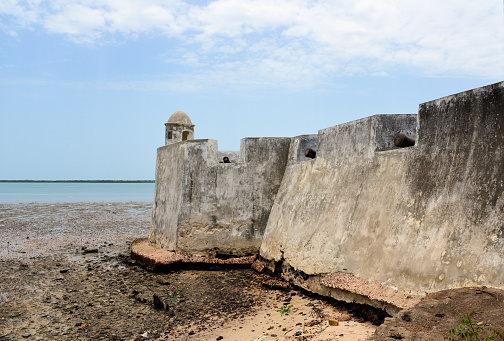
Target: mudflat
{"points": [[66, 274]]}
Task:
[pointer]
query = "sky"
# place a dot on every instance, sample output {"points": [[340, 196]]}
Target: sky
{"points": [[87, 85]]}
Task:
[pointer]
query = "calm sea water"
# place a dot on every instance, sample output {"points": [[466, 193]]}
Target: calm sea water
{"points": [[26, 192]]}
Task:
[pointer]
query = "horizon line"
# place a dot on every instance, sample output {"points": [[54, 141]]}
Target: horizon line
{"points": [[79, 181]]}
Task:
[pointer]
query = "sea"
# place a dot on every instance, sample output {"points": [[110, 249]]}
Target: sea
{"points": [[54, 192]]}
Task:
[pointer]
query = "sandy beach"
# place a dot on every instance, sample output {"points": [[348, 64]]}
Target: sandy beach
{"points": [[66, 275]]}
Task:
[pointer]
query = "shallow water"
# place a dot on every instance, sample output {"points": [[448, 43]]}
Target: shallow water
{"points": [[54, 192]]}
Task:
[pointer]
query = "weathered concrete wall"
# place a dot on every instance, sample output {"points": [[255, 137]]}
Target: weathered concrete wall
{"points": [[418, 219], [221, 208], [167, 198], [364, 220]]}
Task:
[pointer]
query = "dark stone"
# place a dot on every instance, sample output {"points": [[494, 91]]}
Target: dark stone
{"points": [[158, 302], [396, 336], [406, 316]]}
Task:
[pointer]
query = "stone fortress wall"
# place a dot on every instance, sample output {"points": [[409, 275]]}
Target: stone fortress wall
{"points": [[363, 220], [207, 207]]}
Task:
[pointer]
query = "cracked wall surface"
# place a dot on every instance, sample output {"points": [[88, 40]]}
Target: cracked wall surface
{"points": [[423, 218]]}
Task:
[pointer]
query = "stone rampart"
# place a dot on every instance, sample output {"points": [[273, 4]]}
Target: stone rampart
{"points": [[208, 207], [411, 220], [363, 220]]}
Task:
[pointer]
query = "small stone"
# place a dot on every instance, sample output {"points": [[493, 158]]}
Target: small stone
{"points": [[333, 322], [406, 315], [219, 337], [298, 333], [158, 302], [26, 335], [162, 280]]}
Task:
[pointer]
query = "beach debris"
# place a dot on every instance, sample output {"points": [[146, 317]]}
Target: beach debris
{"points": [[162, 280], [312, 323], [136, 295], [84, 325], [276, 284], [143, 336], [158, 302], [260, 338], [333, 322], [89, 250]]}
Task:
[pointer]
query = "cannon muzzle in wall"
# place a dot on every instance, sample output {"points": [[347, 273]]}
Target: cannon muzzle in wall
{"points": [[310, 153], [402, 141]]}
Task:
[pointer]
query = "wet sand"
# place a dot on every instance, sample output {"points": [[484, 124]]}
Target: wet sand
{"points": [[66, 275]]}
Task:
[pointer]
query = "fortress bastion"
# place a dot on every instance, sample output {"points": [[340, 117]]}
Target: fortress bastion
{"points": [[360, 219]]}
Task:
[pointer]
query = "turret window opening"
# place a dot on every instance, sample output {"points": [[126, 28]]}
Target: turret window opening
{"points": [[185, 135]]}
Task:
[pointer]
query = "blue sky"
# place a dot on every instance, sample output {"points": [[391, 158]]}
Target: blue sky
{"points": [[86, 85]]}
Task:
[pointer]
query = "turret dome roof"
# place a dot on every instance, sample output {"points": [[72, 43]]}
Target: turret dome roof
{"points": [[179, 117]]}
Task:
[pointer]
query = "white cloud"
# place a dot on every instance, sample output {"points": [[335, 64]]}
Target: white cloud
{"points": [[294, 42], [74, 18]]}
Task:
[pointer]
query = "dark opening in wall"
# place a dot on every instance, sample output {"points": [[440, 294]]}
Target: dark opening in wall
{"points": [[310, 153], [170, 135], [402, 141], [306, 142], [185, 135]]}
